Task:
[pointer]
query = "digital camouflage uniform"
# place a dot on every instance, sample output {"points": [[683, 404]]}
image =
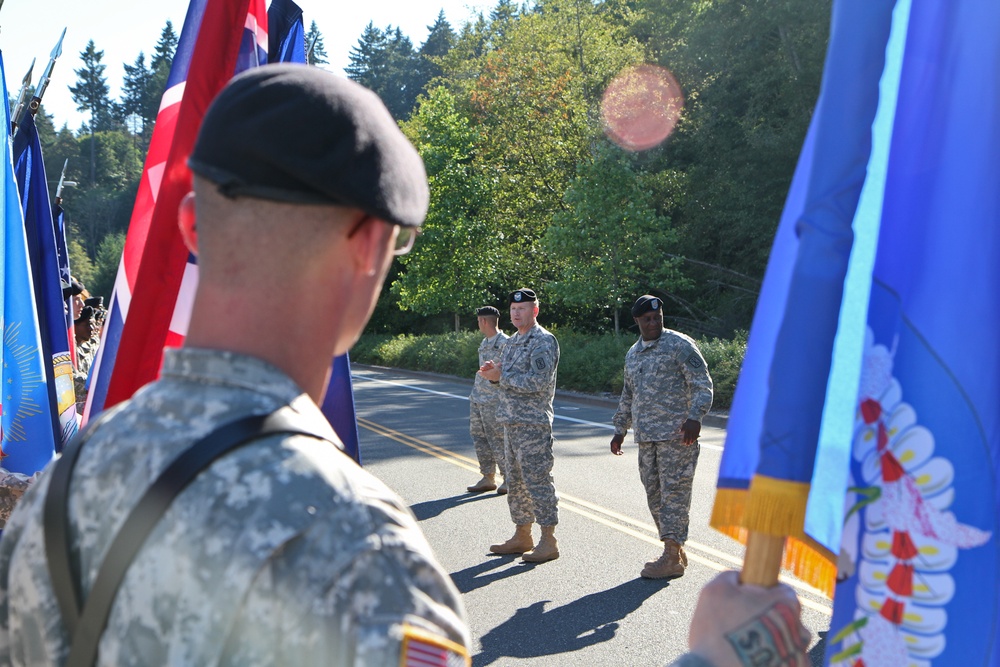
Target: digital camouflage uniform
{"points": [[85, 353], [666, 383], [285, 549], [528, 383], [486, 431]]}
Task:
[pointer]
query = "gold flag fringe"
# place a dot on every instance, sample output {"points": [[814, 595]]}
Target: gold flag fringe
{"points": [[777, 507]]}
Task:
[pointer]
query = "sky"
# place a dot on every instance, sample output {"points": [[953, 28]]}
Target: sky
{"points": [[122, 28]]}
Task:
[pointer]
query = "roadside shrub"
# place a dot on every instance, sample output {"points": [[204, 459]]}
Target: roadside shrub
{"points": [[588, 363]]}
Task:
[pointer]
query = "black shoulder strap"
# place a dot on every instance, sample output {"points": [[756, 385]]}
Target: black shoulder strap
{"points": [[86, 627]]}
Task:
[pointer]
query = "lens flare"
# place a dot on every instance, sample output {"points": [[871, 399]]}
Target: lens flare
{"points": [[641, 106]]}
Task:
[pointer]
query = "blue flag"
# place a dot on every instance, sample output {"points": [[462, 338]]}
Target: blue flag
{"points": [[286, 43], [27, 440], [286, 35], [43, 254], [919, 542]]}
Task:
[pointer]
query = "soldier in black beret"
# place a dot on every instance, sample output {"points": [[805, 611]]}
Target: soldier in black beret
{"points": [[304, 187], [485, 430], [667, 392], [526, 375]]}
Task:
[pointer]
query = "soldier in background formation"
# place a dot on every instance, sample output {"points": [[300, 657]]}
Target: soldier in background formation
{"points": [[526, 375], [486, 432], [667, 392]]}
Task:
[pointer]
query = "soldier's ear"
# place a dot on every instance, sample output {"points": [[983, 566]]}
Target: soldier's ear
{"points": [[186, 223]]}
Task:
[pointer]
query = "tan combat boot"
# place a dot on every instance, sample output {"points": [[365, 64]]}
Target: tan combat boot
{"points": [[668, 566], [502, 489], [518, 544], [487, 483], [547, 548]]}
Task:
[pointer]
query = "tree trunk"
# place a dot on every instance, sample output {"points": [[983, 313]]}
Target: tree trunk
{"points": [[458, 326]]}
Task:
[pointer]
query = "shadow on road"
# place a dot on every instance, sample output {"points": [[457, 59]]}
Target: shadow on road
{"points": [[432, 508], [590, 620], [488, 571]]}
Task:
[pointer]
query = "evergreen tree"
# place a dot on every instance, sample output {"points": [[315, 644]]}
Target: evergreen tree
{"points": [[440, 39], [91, 94], [317, 54], [386, 62], [159, 72], [135, 88]]}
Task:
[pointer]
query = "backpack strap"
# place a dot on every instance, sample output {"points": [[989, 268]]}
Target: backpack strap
{"points": [[86, 627]]}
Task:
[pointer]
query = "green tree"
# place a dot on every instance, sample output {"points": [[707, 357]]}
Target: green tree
{"points": [[80, 264], [91, 94], [106, 262], [612, 243], [452, 266], [751, 74], [135, 89], [315, 49], [440, 40], [159, 72], [386, 62]]}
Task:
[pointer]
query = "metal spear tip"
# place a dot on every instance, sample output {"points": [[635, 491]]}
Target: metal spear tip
{"points": [[26, 81], [57, 50]]}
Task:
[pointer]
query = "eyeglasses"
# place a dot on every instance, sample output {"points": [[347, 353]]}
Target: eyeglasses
{"points": [[405, 236], [404, 239]]}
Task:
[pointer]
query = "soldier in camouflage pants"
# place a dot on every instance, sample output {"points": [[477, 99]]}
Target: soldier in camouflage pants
{"points": [[666, 393], [485, 430], [526, 376]]}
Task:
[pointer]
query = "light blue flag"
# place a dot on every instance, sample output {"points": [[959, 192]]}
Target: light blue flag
{"points": [[920, 539], [774, 429], [27, 440]]}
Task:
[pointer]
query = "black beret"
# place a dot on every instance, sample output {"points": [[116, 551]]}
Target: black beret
{"points": [[298, 134], [487, 310], [95, 302], [522, 295], [86, 313], [72, 288], [646, 303]]}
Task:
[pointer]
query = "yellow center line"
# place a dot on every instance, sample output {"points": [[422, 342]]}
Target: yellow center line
{"points": [[594, 512]]}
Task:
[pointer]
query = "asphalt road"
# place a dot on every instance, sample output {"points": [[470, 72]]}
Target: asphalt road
{"points": [[589, 607]]}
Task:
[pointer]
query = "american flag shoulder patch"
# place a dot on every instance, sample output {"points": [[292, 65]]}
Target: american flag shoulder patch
{"points": [[425, 649]]}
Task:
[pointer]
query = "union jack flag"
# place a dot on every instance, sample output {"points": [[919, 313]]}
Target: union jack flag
{"points": [[156, 277]]}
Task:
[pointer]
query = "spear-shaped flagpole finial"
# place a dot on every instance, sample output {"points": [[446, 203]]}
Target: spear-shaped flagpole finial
{"points": [[43, 81], [309, 51], [22, 96], [62, 176]]}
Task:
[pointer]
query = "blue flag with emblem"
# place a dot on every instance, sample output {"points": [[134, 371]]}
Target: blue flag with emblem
{"points": [[920, 563], [43, 255], [27, 440]]}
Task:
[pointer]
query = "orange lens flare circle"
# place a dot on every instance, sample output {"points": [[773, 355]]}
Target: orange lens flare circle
{"points": [[641, 106]]}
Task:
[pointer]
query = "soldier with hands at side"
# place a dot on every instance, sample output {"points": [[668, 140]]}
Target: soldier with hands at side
{"points": [[666, 393], [486, 431], [526, 376]]}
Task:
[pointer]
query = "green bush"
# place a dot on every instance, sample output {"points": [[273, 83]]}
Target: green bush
{"points": [[588, 363]]}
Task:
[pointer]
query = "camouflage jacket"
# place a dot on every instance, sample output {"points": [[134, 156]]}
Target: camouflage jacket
{"points": [[528, 377], [484, 391], [284, 550], [666, 383]]}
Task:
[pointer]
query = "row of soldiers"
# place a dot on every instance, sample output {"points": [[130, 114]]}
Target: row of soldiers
{"points": [[667, 392], [88, 322]]}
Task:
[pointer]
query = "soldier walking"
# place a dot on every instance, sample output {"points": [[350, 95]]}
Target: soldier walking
{"points": [[486, 432], [526, 376], [667, 393]]}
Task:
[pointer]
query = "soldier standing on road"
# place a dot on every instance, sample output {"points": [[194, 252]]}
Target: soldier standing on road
{"points": [[486, 432], [526, 375], [667, 393]]}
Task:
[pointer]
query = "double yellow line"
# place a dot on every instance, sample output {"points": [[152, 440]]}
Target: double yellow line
{"points": [[624, 524]]}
